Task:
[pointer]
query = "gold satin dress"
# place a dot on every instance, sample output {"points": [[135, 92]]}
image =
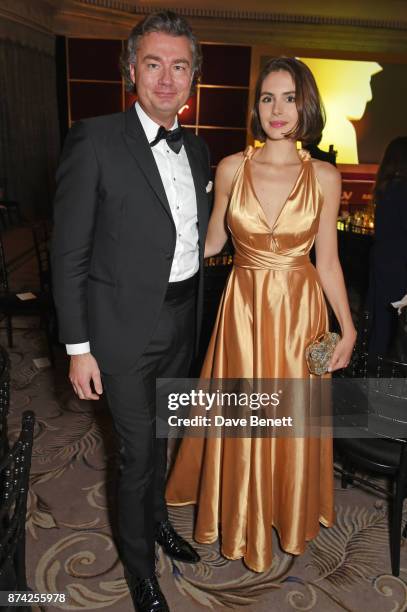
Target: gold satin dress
{"points": [[271, 309]]}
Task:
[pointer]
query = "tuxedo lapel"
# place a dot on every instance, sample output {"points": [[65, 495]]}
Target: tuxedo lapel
{"points": [[140, 149], [199, 183]]}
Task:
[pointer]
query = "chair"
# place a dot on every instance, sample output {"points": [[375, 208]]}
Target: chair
{"points": [[11, 305], [41, 233], [9, 209], [378, 446], [14, 477], [10, 213], [4, 399]]}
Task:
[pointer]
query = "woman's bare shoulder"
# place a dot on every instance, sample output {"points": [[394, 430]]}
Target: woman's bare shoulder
{"points": [[326, 173], [228, 167], [231, 162]]}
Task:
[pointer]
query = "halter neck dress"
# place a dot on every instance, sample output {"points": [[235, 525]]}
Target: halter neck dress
{"points": [[272, 308]]}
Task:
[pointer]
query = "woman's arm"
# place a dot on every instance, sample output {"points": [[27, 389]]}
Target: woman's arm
{"points": [[328, 265], [217, 234]]}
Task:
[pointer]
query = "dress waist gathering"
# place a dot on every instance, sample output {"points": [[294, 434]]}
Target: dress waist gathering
{"points": [[253, 259]]}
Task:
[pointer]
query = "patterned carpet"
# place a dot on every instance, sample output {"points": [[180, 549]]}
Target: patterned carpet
{"points": [[71, 547]]}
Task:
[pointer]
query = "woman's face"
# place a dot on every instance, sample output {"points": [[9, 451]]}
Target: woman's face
{"points": [[277, 108]]}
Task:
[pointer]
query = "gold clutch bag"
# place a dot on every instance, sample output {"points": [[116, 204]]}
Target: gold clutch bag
{"points": [[319, 353]]}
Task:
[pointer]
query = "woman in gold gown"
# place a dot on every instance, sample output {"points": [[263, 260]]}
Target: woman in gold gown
{"points": [[276, 202]]}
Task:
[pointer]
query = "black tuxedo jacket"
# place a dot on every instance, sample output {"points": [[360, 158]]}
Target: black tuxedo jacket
{"points": [[114, 237]]}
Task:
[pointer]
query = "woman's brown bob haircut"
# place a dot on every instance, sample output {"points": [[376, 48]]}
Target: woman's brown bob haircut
{"points": [[311, 113]]}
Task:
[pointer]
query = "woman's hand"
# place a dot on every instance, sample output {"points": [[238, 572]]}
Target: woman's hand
{"points": [[343, 352]]}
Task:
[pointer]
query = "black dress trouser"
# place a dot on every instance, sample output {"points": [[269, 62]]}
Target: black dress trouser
{"points": [[143, 457]]}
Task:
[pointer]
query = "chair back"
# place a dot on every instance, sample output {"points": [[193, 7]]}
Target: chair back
{"points": [[4, 399], [372, 396], [41, 233], [3, 268], [14, 474], [4, 194]]}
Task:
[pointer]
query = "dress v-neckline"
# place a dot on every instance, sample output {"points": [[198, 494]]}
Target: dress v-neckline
{"points": [[272, 227]]}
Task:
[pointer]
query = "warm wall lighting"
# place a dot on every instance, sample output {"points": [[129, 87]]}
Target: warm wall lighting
{"points": [[345, 90], [181, 110]]}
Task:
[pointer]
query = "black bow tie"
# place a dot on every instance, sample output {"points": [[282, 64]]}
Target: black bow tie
{"points": [[173, 137]]}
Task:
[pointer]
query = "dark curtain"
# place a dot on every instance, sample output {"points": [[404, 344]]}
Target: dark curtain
{"points": [[29, 132]]}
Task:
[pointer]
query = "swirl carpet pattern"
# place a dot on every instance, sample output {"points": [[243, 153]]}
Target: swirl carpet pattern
{"points": [[71, 544]]}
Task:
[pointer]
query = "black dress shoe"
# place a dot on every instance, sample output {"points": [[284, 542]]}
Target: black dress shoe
{"points": [[146, 594], [173, 545]]}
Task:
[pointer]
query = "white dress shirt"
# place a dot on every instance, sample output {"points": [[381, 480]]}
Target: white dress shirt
{"points": [[179, 187]]}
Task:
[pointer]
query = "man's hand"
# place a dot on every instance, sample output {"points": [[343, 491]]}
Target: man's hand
{"points": [[82, 371]]}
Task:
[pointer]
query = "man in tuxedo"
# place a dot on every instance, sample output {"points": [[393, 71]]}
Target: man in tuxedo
{"points": [[131, 213]]}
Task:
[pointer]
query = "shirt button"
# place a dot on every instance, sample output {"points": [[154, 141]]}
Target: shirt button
{"points": [[175, 178], [177, 207]]}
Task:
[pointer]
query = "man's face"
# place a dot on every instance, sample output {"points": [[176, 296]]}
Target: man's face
{"points": [[162, 75]]}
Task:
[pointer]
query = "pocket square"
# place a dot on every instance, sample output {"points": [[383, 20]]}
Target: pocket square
{"points": [[400, 304], [209, 187]]}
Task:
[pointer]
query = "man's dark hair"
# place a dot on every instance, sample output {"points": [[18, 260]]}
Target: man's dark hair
{"points": [[167, 22], [311, 113]]}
